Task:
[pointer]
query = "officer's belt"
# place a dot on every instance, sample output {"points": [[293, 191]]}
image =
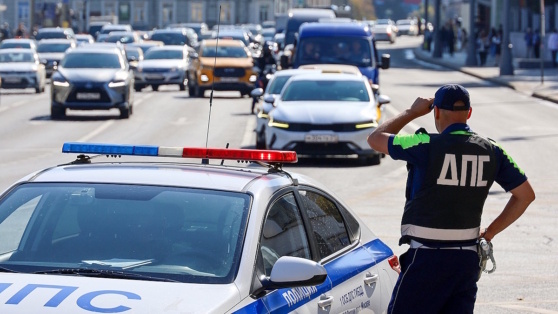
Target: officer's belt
{"points": [[417, 245]]}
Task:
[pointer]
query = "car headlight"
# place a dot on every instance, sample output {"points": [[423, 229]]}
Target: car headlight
{"points": [[253, 78], [204, 78], [366, 125], [60, 81], [278, 124], [114, 84]]}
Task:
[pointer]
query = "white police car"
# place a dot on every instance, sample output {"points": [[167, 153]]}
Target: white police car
{"points": [[154, 237]]}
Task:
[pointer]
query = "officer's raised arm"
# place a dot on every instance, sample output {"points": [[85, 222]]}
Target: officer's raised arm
{"points": [[379, 138]]}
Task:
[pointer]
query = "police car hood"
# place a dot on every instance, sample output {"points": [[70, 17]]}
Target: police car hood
{"points": [[324, 112], [51, 55], [28, 293], [18, 66], [161, 63]]}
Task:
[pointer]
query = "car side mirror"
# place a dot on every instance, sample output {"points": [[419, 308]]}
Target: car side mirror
{"points": [[384, 99], [270, 99], [257, 92], [290, 272], [385, 61]]}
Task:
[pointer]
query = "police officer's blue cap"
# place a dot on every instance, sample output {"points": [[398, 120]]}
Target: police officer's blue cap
{"points": [[447, 95]]}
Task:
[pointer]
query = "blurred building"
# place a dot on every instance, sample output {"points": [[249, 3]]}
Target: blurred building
{"points": [[149, 14]]}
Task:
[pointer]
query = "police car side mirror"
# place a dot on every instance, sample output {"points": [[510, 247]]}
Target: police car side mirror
{"points": [[290, 272], [257, 92], [384, 99], [385, 61], [269, 99]]}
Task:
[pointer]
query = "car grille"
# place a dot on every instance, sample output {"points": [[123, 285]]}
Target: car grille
{"points": [[15, 72], [73, 95], [229, 72], [154, 70], [306, 127]]}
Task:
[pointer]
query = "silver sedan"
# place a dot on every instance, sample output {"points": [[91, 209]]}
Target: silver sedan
{"points": [[20, 68]]}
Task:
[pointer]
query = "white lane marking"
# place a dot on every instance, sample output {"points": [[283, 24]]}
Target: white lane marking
{"points": [[527, 309], [180, 121], [249, 138], [95, 132], [411, 126], [142, 99], [409, 54]]}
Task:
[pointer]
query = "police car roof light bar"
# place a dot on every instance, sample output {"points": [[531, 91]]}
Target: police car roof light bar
{"points": [[269, 156]]}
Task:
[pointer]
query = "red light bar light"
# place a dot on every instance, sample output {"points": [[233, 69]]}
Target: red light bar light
{"points": [[269, 156]]}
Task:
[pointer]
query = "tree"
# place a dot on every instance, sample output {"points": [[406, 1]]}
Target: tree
{"points": [[362, 9]]}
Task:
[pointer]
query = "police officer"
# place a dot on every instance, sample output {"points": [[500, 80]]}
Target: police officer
{"points": [[449, 177]]}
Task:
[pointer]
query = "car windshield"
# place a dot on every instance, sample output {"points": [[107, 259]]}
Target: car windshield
{"points": [[163, 54], [43, 35], [160, 233], [52, 47], [225, 52], [336, 50], [310, 90], [119, 38], [91, 60], [16, 57], [171, 38], [6, 45], [240, 37], [277, 85]]}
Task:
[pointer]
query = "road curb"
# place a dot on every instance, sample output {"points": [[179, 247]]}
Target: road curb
{"points": [[420, 55]]}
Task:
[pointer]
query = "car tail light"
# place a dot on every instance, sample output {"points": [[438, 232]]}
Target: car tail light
{"points": [[394, 263]]}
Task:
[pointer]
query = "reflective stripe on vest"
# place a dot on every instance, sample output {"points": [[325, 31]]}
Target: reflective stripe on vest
{"points": [[439, 234]]}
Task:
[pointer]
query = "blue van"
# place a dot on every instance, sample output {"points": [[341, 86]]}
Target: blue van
{"points": [[340, 43]]}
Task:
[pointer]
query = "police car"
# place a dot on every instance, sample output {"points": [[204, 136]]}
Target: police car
{"points": [[169, 237]]}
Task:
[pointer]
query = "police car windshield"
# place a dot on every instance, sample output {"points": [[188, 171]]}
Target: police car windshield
{"points": [[310, 90], [168, 233]]}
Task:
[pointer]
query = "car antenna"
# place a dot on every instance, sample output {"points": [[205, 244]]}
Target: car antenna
{"points": [[205, 161]]}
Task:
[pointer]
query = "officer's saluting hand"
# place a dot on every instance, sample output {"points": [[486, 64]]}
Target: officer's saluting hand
{"points": [[450, 174]]}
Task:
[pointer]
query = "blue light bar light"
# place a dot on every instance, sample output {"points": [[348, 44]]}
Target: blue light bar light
{"points": [[110, 149]]}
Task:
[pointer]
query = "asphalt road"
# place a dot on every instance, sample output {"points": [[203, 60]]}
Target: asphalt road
{"points": [[526, 280]]}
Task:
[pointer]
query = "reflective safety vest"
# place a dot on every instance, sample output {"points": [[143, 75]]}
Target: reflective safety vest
{"points": [[448, 206]]}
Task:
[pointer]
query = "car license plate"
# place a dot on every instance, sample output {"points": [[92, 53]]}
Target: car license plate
{"points": [[321, 138], [229, 79], [88, 96], [12, 80]]}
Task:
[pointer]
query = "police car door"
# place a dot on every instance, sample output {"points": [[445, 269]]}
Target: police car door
{"points": [[284, 234], [351, 268]]}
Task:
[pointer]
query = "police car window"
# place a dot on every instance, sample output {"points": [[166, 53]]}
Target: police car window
{"points": [[283, 233], [327, 223], [181, 234]]}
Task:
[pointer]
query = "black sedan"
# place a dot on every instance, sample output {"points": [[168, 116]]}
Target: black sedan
{"points": [[91, 79]]}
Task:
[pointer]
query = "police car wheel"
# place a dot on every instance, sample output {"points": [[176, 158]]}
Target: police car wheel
{"points": [[57, 113], [155, 87], [125, 112]]}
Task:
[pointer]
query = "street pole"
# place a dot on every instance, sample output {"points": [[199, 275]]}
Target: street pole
{"points": [[506, 64], [438, 49], [472, 46], [542, 42], [425, 40], [31, 16]]}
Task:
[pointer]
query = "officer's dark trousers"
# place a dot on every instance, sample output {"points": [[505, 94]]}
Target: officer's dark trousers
{"points": [[436, 281]]}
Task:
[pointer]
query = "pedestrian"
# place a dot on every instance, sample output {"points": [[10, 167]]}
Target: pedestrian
{"points": [[482, 47], [495, 46], [20, 31], [449, 177], [537, 43], [528, 38], [6, 32], [553, 45]]}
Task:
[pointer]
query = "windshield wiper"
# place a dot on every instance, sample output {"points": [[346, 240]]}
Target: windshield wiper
{"points": [[87, 272], [7, 270]]}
